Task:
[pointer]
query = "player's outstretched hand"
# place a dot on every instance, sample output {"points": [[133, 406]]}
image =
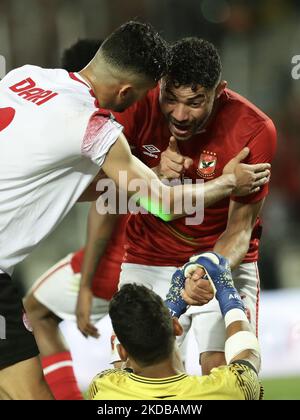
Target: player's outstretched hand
{"points": [[198, 291], [217, 271], [174, 301]]}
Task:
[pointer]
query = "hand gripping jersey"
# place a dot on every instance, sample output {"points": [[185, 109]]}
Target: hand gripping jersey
{"points": [[237, 381], [53, 139], [236, 123]]}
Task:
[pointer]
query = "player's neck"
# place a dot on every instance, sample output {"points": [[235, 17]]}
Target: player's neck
{"points": [[90, 80], [168, 367], [84, 73], [101, 86]]}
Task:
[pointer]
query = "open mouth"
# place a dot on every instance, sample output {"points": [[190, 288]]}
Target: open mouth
{"points": [[180, 129]]}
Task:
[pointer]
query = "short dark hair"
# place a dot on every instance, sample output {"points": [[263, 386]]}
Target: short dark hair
{"points": [[139, 48], [194, 61], [142, 323], [80, 54]]}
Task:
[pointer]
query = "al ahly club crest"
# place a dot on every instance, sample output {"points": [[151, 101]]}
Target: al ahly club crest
{"points": [[207, 164]]}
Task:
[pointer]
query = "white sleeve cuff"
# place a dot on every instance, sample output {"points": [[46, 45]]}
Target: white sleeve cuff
{"points": [[101, 134]]}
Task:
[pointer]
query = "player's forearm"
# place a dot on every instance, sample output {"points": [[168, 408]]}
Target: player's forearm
{"points": [[235, 240], [159, 199], [92, 255], [241, 342], [99, 231], [208, 193], [218, 189], [199, 195], [238, 338], [233, 246]]}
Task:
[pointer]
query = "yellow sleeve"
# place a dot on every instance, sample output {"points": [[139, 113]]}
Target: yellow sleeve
{"points": [[237, 381], [247, 381], [95, 384], [110, 384]]}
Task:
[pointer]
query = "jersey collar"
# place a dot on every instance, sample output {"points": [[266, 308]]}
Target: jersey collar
{"points": [[157, 381], [80, 79]]}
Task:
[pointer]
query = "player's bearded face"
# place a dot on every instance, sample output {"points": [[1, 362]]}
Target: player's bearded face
{"points": [[187, 110]]}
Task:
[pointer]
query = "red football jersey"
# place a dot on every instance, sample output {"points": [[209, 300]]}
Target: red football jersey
{"points": [[106, 279], [237, 123]]}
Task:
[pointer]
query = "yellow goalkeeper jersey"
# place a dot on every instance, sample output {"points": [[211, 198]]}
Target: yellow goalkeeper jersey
{"points": [[237, 381]]}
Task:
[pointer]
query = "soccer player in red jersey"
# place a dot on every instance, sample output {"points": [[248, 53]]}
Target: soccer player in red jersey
{"points": [[53, 298], [79, 139], [189, 127]]}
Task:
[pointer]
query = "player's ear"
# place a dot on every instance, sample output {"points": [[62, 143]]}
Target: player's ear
{"points": [[122, 352], [125, 91], [220, 88], [177, 328]]}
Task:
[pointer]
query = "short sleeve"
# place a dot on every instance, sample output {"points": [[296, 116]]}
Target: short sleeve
{"points": [[95, 384], [262, 150], [246, 380], [236, 381], [101, 133]]}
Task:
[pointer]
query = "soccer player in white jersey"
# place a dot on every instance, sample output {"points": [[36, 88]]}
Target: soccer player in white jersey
{"points": [[54, 137], [53, 297]]}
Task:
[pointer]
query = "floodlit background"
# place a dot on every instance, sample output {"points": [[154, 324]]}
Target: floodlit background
{"points": [[258, 41]]}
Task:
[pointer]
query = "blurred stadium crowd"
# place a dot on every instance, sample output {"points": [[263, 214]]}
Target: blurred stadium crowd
{"points": [[257, 40]]}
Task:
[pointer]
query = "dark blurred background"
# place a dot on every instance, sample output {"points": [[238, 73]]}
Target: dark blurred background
{"points": [[257, 40]]}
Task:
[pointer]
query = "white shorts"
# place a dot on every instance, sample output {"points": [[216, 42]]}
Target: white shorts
{"points": [[90, 355], [206, 321], [58, 289]]}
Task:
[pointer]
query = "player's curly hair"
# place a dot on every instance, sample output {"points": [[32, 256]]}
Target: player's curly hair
{"points": [[137, 47], [194, 61], [142, 323]]}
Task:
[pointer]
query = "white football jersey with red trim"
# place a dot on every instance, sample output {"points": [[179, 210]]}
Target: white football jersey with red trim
{"points": [[53, 139]]}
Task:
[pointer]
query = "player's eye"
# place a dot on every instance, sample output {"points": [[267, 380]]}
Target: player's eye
{"points": [[197, 104], [170, 100]]}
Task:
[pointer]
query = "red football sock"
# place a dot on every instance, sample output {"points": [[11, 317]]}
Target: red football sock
{"points": [[59, 374]]}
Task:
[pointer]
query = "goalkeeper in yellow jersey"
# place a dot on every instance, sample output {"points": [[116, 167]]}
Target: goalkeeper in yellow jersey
{"points": [[146, 328]]}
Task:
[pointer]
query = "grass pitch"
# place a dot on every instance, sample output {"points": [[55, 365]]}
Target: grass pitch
{"points": [[282, 388]]}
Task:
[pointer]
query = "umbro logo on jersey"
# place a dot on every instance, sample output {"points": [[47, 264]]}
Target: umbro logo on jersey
{"points": [[151, 150]]}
